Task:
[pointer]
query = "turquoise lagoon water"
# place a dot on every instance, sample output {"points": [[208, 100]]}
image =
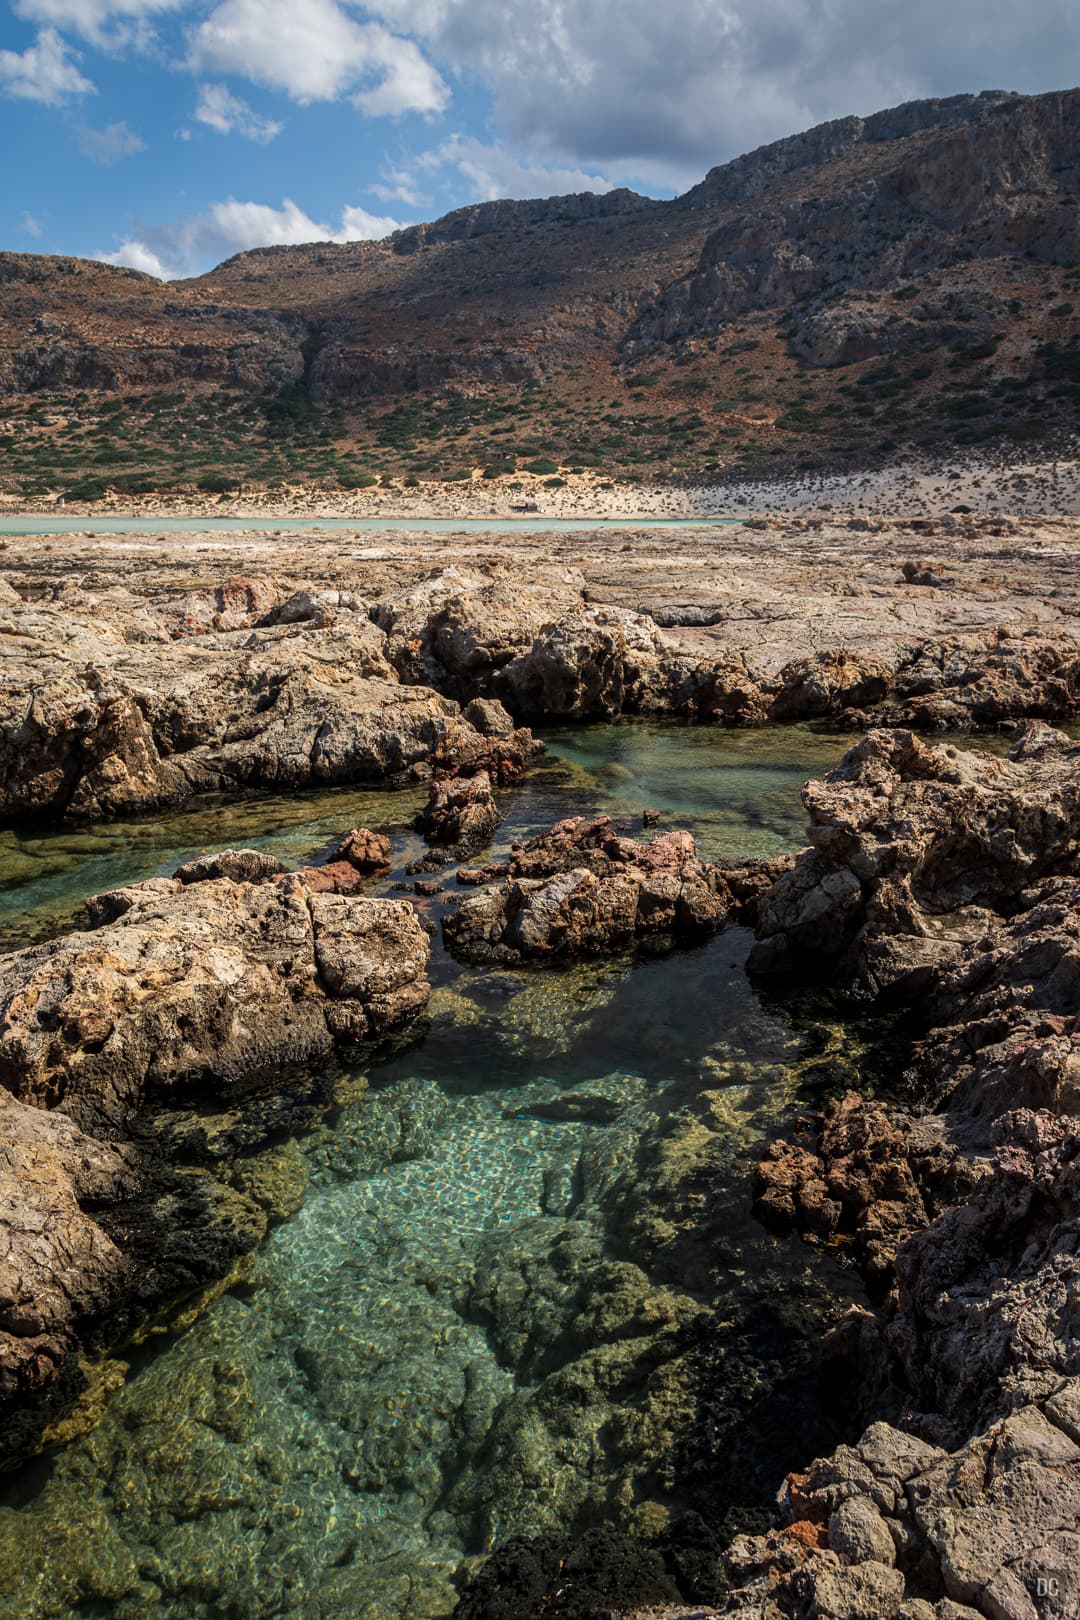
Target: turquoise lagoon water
{"points": [[520, 1290]]}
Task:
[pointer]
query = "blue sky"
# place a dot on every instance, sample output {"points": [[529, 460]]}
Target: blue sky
{"points": [[168, 134]]}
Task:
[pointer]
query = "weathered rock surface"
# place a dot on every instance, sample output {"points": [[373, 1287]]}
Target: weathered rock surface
{"points": [[963, 1219], [189, 984], [102, 717], [913, 847], [895, 1529], [57, 1264], [461, 812], [581, 889], [184, 990]]}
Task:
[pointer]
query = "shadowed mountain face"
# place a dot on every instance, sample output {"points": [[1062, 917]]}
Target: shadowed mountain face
{"points": [[938, 225]]}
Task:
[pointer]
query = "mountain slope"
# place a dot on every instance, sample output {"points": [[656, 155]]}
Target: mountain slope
{"points": [[748, 318]]}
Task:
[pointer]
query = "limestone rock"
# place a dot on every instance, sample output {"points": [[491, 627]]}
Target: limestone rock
{"points": [[202, 984], [620, 890]]}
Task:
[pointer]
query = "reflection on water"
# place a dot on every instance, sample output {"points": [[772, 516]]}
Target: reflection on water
{"points": [[522, 1291], [737, 791]]}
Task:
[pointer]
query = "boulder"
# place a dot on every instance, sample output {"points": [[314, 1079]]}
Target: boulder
{"points": [[911, 847], [581, 889], [198, 985], [461, 813]]}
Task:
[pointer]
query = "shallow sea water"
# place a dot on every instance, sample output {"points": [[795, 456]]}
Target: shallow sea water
{"points": [[522, 1290]]}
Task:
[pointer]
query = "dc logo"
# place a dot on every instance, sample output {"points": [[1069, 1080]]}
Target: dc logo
{"points": [[1047, 1586]]}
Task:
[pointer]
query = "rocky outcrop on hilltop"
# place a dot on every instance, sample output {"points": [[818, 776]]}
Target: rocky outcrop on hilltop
{"points": [[752, 174], [998, 174], [481, 219], [192, 990]]}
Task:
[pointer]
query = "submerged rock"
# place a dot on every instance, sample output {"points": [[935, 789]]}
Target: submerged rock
{"points": [[183, 989]]}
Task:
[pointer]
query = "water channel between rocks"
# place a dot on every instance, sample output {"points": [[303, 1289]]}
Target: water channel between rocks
{"points": [[520, 1289]]}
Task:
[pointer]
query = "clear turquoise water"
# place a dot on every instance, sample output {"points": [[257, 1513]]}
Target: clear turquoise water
{"points": [[522, 1292], [737, 791]]}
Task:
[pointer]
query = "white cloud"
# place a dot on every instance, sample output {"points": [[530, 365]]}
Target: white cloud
{"points": [[110, 144], [316, 51], [103, 22], [357, 225], [29, 225], [492, 171], [43, 72], [137, 256], [191, 245], [230, 114], [661, 92]]}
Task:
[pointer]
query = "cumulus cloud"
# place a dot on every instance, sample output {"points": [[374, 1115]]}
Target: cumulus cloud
{"points": [[103, 22], [230, 114], [43, 72], [663, 92], [110, 144], [188, 246], [315, 50], [490, 171]]}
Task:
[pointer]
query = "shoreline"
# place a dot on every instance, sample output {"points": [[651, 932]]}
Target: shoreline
{"points": [[911, 487]]}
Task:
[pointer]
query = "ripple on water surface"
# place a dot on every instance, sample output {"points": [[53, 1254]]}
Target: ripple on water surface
{"points": [[521, 1268]]}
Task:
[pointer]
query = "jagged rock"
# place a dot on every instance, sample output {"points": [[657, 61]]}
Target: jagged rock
{"points": [[827, 684], [241, 865], [368, 852], [90, 748], [576, 668], [620, 891], [488, 717], [461, 811], [237, 603], [57, 1264], [993, 1526], [183, 985], [910, 846], [986, 1294]]}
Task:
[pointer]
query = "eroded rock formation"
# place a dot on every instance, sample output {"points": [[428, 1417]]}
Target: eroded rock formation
{"points": [[184, 990], [946, 881]]}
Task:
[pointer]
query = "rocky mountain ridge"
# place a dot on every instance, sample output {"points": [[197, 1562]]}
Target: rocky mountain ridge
{"points": [[935, 236]]}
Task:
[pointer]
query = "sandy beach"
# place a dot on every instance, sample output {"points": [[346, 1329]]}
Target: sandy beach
{"points": [[915, 486]]}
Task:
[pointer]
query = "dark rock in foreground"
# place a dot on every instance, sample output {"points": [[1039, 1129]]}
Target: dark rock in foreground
{"points": [[946, 881]]}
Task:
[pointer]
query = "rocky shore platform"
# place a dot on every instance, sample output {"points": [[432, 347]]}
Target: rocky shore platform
{"points": [[946, 884], [156, 1067], [138, 673]]}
